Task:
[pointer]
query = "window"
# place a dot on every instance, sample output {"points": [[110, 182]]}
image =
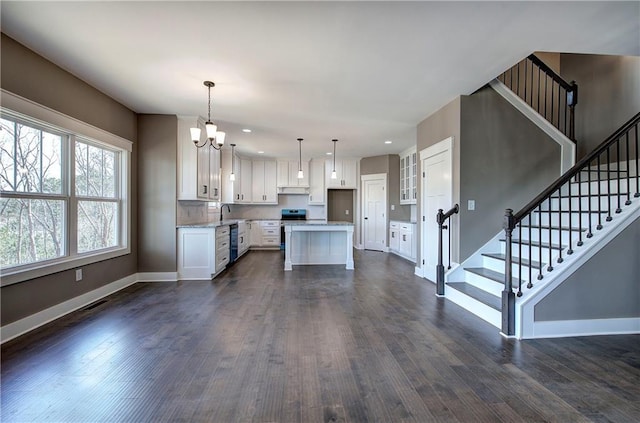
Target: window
{"points": [[63, 198]]}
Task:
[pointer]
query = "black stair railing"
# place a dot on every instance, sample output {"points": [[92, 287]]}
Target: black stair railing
{"points": [[545, 91], [441, 218], [612, 177]]}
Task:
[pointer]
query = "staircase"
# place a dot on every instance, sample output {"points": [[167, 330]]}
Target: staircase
{"points": [[552, 236]]}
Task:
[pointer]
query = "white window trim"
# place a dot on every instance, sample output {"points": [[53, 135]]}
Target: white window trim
{"points": [[17, 106]]}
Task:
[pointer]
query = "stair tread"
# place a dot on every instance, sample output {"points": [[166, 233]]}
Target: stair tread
{"points": [[563, 228], [529, 263], [490, 274], [537, 244], [478, 294]]}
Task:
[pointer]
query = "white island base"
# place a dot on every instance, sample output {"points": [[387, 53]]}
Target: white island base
{"points": [[318, 243]]}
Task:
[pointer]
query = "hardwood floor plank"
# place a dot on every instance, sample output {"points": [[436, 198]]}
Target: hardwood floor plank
{"points": [[316, 344]]}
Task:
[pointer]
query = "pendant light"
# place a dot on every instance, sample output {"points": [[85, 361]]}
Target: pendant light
{"points": [[232, 176], [215, 138], [334, 175], [300, 172]]}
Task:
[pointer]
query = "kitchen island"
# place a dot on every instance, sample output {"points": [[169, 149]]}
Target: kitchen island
{"points": [[319, 242]]}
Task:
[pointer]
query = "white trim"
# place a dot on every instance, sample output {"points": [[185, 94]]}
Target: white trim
{"points": [[158, 277], [49, 117], [525, 305], [26, 324], [444, 146], [564, 328], [567, 147]]}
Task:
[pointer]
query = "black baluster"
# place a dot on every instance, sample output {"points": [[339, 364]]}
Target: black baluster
{"points": [[560, 259], [599, 196], [539, 243], [538, 107], [529, 284], [590, 233], [628, 202], [550, 262], [609, 218], [553, 86], [546, 78], [449, 265], [637, 194], [519, 294], [525, 79], [570, 250], [579, 175], [619, 209]]}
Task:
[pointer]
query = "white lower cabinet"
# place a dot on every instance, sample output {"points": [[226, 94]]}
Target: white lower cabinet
{"points": [[402, 239], [243, 238], [202, 252], [270, 233]]}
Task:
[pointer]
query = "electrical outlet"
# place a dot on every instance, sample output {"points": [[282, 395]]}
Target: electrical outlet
{"points": [[471, 205], [346, 212], [78, 275], [393, 207]]}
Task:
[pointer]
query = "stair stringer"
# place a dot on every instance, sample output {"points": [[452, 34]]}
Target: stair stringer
{"points": [[528, 328], [567, 147]]}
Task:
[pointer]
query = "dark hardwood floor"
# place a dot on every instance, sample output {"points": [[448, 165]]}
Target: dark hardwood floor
{"points": [[317, 344]]}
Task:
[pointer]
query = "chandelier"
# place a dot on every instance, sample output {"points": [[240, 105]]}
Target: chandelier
{"points": [[214, 138]]}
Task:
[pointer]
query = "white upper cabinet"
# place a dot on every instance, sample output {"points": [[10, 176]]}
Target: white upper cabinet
{"points": [[408, 176], [198, 168], [288, 174], [264, 187], [346, 172], [316, 182]]}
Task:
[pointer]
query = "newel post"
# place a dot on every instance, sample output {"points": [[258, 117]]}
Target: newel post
{"points": [[508, 296], [440, 266]]}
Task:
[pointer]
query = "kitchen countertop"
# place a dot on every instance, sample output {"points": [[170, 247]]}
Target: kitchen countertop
{"points": [[212, 224], [315, 222]]}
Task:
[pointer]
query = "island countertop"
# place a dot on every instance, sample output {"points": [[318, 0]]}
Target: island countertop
{"points": [[316, 223]]}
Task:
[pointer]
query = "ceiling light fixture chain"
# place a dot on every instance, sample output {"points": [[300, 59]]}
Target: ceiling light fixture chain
{"points": [[215, 138], [334, 175], [300, 172]]}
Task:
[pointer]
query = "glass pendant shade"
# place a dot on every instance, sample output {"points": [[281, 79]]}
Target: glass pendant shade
{"points": [[300, 174], [232, 176], [220, 136], [334, 175], [211, 129], [195, 135]]}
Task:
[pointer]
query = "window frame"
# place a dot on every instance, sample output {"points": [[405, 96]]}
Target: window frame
{"points": [[27, 112]]}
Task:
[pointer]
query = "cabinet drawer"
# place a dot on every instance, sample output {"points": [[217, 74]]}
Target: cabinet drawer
{"points": [[222, 261], [406, 227], [271, 241], [270, 223], [222, 231], [394, 225], [222, 244], [270, 232]]}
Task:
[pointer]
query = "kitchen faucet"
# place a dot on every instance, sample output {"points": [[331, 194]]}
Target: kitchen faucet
{"points": [[222, 207]]}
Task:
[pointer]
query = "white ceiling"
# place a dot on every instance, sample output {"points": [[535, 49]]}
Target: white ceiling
{"points": [[362, 72]]}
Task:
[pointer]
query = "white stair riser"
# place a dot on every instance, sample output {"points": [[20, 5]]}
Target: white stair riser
{"points": [[606, 187], [486, 313], [562, 219], [536, 235], [536, 254], [498, 266], [586, 203], [485, 284]]}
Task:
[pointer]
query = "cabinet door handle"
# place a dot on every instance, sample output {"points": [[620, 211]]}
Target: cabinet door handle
{"points": [[404, 237], [204, 189], [215, 192]]}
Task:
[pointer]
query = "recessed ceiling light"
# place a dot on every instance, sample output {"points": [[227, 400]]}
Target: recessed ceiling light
{"points": [[388, 142], [246, 130], [329, 153], [260, 152]]}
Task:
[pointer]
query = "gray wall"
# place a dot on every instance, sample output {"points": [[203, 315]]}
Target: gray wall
{"points": [[338, 202], [439, 126], [31, 76], [608, 94], [389, 164], [606, 286], [157, 140], [505, 161]]}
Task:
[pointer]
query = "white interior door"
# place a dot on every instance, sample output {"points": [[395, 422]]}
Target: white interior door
{"points": [[374, 217], [437, 193]]}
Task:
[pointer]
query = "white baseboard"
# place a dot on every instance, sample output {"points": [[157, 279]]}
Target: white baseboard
{"points": [[566, 328], [158, 277], [24, 325]]}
